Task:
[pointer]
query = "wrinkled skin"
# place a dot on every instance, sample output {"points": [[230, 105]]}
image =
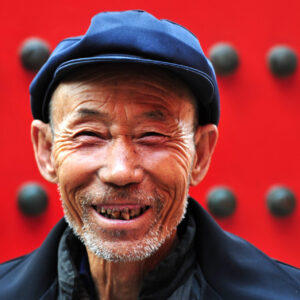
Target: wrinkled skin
{"points": [[124, 138]]}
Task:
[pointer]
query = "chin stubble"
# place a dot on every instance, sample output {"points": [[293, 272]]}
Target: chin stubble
{"points": [[117, 250]]}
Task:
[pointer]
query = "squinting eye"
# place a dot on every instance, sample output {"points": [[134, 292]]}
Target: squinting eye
{"points": [[152, 138], [151, 134], [86, 133], [89, 137]]}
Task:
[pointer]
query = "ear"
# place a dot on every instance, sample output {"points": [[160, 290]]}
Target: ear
{"points": [[205, 141], [41, 138]]}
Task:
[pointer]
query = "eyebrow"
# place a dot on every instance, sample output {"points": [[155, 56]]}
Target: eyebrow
{"points": [[156, 115], [87, 112]]}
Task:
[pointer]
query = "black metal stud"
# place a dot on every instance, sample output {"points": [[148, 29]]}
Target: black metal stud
{"points": [[282, 61], [221, 202], [32, 199], [281, 201], [224, 58], [33, 54]]}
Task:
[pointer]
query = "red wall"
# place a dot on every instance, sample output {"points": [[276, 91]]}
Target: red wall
{"points": [[259, 128]]}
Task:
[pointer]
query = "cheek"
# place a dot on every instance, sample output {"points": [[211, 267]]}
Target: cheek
{"points": [[75, 168], [170, 166], [74, 172], [75, 164], [170, 170]]}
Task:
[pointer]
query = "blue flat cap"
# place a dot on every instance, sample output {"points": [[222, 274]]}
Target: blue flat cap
{"points": [[131, 37]]}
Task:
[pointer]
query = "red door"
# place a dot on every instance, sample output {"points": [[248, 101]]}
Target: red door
{"points": [[259, 128]]}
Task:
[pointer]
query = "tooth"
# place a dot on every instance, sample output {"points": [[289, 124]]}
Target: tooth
{"points": [[109, 211], [135, 212], [103, 210], [115, 214], [125, 214]]}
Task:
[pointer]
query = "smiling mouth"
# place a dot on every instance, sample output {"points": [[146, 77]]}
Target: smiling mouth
{"points": [[124, 213]]}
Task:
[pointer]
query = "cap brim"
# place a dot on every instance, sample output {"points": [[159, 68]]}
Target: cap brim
{"points": [[200, 84]]}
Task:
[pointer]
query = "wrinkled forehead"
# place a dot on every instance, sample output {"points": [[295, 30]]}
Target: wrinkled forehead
{"points": [[150, 81]]}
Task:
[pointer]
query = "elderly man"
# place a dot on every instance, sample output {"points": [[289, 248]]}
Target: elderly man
{"points": [[125, 121]]}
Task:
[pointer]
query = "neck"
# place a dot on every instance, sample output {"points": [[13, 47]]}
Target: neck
{"points": [[123, 280]]}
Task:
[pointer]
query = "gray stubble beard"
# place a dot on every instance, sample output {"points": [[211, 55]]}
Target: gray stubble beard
{"points": [[134, 250]]}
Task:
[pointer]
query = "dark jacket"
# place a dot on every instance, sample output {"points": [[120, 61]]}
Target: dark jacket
{"points": [[230, 268]]}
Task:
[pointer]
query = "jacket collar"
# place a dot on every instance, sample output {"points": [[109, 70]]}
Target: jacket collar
{"points": [[234, 268]]}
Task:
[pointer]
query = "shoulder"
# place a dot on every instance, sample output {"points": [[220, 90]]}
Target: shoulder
{"points": [[9, 266], [291, 270], [30, 276], [235, 269]]}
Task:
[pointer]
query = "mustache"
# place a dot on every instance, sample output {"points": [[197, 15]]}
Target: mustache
{"points": [[109, 195]]}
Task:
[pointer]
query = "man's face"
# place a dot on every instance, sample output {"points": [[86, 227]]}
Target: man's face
{"points": [[123, 151]]}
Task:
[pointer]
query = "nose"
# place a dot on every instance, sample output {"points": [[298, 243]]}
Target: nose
{"points": [[121, 164]]}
